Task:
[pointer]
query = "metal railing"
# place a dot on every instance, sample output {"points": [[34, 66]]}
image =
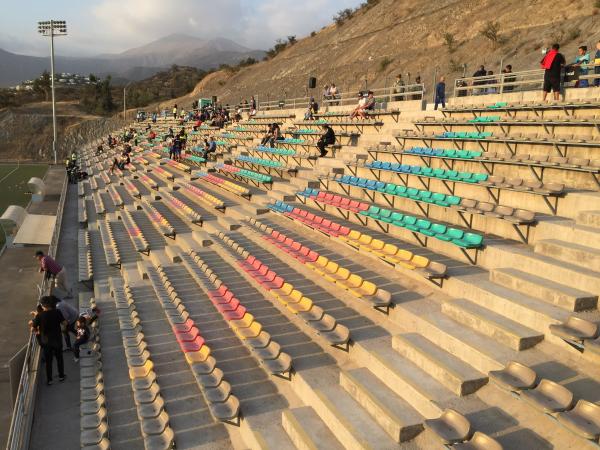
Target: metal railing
{"points": [[526, 80], [22, 416]]}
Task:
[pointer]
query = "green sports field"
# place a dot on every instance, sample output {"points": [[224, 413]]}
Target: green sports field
{"points": [[13, 185]]}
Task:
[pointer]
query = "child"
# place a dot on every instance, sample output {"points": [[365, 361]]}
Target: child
{"points": [[82, 333]]}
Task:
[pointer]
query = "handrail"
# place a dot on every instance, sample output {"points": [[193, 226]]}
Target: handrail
{"points": [[501, 83], [22, 417]]}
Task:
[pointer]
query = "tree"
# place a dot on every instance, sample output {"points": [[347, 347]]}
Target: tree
{"points": [[93, 78], [292, 40], [43, 85], [106, 95]]}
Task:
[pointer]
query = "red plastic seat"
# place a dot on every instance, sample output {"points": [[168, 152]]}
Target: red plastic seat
{"points": [[329, 197], [188, 336], [344, 231], [223, 299], [334, 226], [267, 278], [345, 202], [183, 327], [192, 346], [231, 306], [296, 211], [235, 315], [303, 213], [296, 246], [311, 217], [275, 284], [326, 223]]}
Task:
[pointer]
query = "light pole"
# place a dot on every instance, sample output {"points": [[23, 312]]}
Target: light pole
{"points": [[125, 99], [51, 28]]}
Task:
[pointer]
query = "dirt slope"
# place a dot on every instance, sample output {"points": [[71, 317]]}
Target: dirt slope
{"points": [[407, 36]]}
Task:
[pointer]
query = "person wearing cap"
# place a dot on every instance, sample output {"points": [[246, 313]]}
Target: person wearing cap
{"points": [[56, 271]]}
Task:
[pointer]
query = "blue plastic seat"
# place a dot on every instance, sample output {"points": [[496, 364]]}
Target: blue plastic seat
{"points": [[386, 165], [395, 167]]}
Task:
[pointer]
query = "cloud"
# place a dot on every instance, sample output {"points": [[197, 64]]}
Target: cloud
{"points": [[107, 26]]}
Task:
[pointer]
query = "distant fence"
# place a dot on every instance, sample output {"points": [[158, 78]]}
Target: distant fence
{"points": [[20, 426]]}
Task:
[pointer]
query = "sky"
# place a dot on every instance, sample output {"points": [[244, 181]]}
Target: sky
{"points": [[112, 26]]}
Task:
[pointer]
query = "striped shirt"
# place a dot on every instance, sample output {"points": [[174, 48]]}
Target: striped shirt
{"points": [[50, 266]]}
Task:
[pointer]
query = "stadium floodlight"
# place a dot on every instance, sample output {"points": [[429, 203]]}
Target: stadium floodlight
{"points": [[51, 28]]}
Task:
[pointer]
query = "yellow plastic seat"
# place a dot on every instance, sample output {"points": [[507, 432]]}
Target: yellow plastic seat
{"points": [[330, 268], [340, 276], [283, 291], [294, 297], [419, 262], [387, 251], [244, 322], [365, 241], [249, 332], [141, 371], [305, 304], [376, 245], [354, 281], [352, 236], [199, 356]]}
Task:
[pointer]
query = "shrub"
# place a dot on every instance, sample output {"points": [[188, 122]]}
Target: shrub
{"points": [[573, 34], [384, 63], [450, 42], [313, 33], [279, 46], [455, 66], [597, 4], [292, 40], [343, 15], [491, 31]]}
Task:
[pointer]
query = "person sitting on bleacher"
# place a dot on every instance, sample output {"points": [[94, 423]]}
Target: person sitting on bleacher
{"points": [[210, 146], [581, 61], [151, 135], [252, 112], [327, 138], [333, 94], [367, 103], [121, 162], [274, 134]]}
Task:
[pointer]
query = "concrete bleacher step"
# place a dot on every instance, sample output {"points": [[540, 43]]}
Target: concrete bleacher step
{"points": [[455, 374], [577, 254], [589, 218], [389, 410], [561, 295], [480, 351], [506, 331], [283, 189], [417, 387], [307, 431], [349, 422], [529, 311], [276, 194], [523, 258], [569, 231], [228, 223]]}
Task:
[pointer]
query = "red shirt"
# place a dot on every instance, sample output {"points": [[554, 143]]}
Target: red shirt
{"points": [[49, 265]]}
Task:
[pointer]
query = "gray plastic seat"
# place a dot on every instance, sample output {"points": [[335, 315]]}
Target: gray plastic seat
{"points": [[227, 410], [151, 410], [93, 406], [549, 397], [514, 377], [451, 427], [92, 393], [141, 396], [218, 393], [155, 425], [282, 364], [163, 441], [340, 335], [479, 441], [94, 436], [583, 420], [576, 329], [93, 421]]}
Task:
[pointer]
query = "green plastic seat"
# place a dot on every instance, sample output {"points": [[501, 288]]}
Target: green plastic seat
{"points": [[385, 215], [469, 240], [401, 191], [453, 200], [427, 171], [373, 211], [412, 193], [425, 196], [397, 219], [391, 188], [465, 176], [410, 223], [449, 153], [464, 154], [452, 234], [438, 229], [479, 177], [439, 199], [453, 175], [423, 224], [440, 173]]}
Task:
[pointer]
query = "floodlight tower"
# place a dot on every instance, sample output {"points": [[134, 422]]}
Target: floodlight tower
{"points": [[51, 28]]}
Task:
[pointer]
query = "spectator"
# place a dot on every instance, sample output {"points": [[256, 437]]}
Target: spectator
{"points": [[368, 105], [148, 127], [154, 117], [491, 90], [418, 88], [481, 72], [252, 112], [151, 135], [460, 83], [399, 88], [552, 63], [333, 93], [508, 79], [440, 93], [70, 314], [326, 139], [210, 146], [175, 111], [121, 162], [581, 61], [82, 336], [270, 135], [326, 92], [314, 106], [597, 65], [54, 270], [48, 324], [361, 104]]}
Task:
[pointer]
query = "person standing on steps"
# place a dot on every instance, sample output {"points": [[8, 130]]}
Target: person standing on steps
{"points": [[440, 93], [552, 64], [56, 271], [48, 324], [70, 314]]}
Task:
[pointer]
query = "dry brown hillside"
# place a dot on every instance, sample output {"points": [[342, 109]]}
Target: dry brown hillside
{"points": [[409, 36]]}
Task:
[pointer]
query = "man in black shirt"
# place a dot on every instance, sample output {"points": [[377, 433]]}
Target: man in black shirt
{"points": [[48, 324], [327, 138], [552, 64]]}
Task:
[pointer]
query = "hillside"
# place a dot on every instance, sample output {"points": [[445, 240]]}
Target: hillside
{"points": [[409, 36], [133, 64]]}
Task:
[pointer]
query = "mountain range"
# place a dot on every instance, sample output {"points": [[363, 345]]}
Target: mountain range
{"points": [[133, 64]]}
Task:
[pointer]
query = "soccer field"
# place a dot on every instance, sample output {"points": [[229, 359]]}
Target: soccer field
{"points": [[13, 185]]}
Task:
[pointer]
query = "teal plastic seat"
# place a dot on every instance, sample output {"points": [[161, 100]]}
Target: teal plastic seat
{"points": [[465, 176], [385, 215], [373, 211], [464, 154], [397, 219], [453, 200], [391, 188], [438, 229], [450, 153], [440, 173], [425, 196], [412, 193], [479, 177], [401, 191], [439, 199], [423, 224], [453, 175], [427, 171], [452, 234], [410, 223], [469, 240]]}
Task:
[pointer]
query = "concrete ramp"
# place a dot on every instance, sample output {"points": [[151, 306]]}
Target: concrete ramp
{"points": [[27, 229]]}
